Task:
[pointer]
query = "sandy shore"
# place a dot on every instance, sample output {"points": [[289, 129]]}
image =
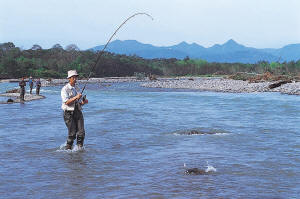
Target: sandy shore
{"points": [[223, 85]]}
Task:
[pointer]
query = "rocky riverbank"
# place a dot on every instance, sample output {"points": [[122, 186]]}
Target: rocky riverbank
{"points": [[219, 84], [90, 81]]}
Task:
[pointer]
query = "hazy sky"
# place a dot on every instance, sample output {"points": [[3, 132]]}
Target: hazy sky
{"points": [[87, 23]]}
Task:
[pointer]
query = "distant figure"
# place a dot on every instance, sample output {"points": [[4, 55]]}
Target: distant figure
{"points": [[38, 86], [22, 85], [30, 81], [71, 105]]}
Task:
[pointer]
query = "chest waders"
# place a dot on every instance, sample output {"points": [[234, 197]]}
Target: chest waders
{"points": [[75, 124]]}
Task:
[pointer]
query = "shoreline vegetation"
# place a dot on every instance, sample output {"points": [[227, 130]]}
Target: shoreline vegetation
{"points": [[56, 61]]}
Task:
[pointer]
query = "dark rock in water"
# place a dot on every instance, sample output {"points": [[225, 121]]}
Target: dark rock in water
{"points": [[200, 131], [195, 171], [196, 132], [10, 101]]}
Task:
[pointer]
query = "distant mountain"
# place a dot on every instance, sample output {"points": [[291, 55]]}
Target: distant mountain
{"points": [[287, 53], [133, 47], [229, 52]]}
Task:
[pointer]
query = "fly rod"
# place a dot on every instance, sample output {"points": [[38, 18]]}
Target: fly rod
{"points": [[102, 51]]}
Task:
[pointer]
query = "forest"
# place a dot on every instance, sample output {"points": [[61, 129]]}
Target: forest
{"points": [[56, 61]]}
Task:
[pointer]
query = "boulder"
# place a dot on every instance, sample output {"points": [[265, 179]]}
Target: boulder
{"points": [[10, 100]]}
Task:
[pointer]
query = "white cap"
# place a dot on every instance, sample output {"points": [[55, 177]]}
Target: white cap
{"points": [[72, 73]]}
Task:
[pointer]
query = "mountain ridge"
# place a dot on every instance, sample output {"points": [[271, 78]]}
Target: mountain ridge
{"points": [[230, 52]]}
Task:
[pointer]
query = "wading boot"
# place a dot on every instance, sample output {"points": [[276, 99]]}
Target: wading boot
{"points": [[68, 147], [80, 146]]}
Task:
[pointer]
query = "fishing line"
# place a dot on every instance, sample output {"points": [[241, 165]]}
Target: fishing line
{"points": [[102, 51]]}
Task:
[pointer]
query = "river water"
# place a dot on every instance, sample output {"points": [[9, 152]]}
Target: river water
{"points": [[134, 148]]}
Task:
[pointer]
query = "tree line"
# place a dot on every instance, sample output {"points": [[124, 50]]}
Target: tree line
{"points": [[56, 61]]}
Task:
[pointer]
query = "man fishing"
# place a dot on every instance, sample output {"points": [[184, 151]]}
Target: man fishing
{"points": [[22, 85], [72, 102], [71, 105]]}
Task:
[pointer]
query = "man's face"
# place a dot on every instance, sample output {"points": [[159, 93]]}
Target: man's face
{"points": [[73, 79]]}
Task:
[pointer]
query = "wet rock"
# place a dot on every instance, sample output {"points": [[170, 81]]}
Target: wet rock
{"points": [[196, 171], [10, 100], [197, 132]]}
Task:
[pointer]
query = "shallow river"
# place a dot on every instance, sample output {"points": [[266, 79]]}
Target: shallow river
{"points": [[134, 147]]}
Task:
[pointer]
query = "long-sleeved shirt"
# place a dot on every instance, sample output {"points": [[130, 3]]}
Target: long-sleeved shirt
{"points": [[67, 92]]}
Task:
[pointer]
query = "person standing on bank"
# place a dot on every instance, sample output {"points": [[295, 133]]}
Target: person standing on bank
{"points": [[30, 81], [38, 86], [71, 105], [22, 85]]}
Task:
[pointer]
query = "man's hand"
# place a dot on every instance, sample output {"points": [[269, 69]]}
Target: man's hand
{"points": [[85, 102], [78, 96], [73, 99]]}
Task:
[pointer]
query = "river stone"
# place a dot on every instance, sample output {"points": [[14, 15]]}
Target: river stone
{"points": [[195, 171], [10, 100], [196, 132]]}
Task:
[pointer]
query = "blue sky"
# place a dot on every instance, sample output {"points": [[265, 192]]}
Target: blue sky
{"points": [[87, 23]]}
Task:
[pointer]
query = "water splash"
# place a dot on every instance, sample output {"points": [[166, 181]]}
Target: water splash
{"points": [[210, 168], [197, 171], [62, 148]]}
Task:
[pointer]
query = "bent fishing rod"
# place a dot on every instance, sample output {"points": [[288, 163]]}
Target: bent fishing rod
{"points": [[102, 51]]}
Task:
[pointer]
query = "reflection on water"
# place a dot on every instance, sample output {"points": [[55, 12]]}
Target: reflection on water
{"points": [[138, 140]]}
